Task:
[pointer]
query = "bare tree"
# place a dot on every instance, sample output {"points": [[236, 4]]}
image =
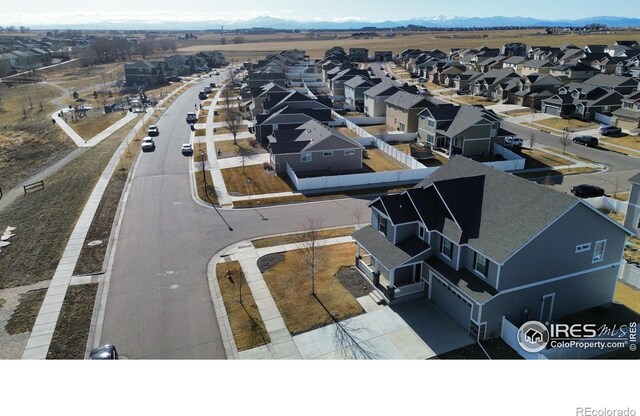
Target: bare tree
{"points": [[532, 140], [565, 141], [308, 252], [145, 47], [233, 120]]}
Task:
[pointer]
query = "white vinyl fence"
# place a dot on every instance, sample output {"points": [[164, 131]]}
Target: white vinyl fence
{"points": [[603, 118], [513, 162], [611, 204], [630, 274]]}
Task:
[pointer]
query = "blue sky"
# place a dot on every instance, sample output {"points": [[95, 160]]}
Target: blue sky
{"points": [[38, 12]]}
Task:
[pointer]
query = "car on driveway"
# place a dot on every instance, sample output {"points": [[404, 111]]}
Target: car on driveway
{"points": [[187, 149], [513, 141], [589, 141], [609, 130], [104, 352], [587, 191], [148, 145], [153, 131]]}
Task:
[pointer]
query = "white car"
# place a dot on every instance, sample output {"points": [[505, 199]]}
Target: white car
{"points": [[513, 141], [153, 131], [148, 145], [187, 149]]}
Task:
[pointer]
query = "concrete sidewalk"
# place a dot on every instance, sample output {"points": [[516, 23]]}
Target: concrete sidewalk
{"points": [[410, 331], [80, 142]]}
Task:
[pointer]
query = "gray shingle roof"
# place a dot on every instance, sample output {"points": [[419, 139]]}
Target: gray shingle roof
{"points": [[635, 179], [466, 281], [603, 80], [504, 198], [407, 100], [383, 88], [388, 254]]}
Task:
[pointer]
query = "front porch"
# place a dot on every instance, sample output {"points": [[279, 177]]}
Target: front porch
{"points": [[394, 270]]}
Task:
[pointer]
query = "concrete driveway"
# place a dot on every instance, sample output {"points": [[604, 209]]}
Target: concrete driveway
{"points": [[413, 330]]}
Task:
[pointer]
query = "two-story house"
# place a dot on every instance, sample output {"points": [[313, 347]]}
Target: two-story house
{"points": [[144, 74], [403, 109], [460, 239], [354, 92], [628, 117], [465, 129], [632, 217]]}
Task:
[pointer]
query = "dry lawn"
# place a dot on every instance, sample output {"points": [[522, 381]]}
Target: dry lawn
{"points": [[404, 148], [632, 142], [225, 130], [72, 329], [568, 154], [293, 238], [632, 254], [379, 161], [535, 158], [254, 181], [575, 171], [207, 195], [200, 152], [290, 287], [94, 123], [200, 132], [571, 125], [228, 149], [46, 218], [348, 132], [628, 296], [246, 323], [24, 316], [472, 100]]}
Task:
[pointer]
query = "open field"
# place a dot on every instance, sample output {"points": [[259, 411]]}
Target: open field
{"points": [[291, 287], [45, 219], [257, 46]]}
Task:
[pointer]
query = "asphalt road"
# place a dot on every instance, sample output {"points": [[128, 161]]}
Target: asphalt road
{"points": [[159, 304]]}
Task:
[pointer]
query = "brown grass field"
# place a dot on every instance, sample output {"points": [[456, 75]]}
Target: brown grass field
{"points": [[255, 46]]}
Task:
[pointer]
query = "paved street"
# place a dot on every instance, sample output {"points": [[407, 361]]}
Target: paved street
{"points": [[159, 304]]}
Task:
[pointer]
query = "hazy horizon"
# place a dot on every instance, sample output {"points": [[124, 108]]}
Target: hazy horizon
{"points": [[39, 13]]}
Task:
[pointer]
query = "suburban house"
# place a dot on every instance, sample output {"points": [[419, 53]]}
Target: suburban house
{"points": [[286, 118], [486, 84], [403, 109], [465, 129], [354, 92], [462, 81], [144, 74], [623, 85], [628, 117], [582, 100], [514, 49], [374, 99], [383, 56], [458, 240], [336, 82], [313, 148], [574, 71], [534, 66], [536, 88], [359, 54], [632, 217]]}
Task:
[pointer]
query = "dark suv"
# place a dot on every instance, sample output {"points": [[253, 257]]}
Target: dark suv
{"points": [[589, 141], [587, 191]]}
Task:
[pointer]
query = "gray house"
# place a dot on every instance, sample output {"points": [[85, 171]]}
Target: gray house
{"points": [[374, 105], [632, 218], [459, 240], [313, 148]]}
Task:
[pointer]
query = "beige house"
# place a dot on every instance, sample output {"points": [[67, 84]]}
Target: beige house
{"points": [[403, 109]]}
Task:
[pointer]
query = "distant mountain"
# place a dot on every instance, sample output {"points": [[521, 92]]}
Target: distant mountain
{"points": [[277, 23]]}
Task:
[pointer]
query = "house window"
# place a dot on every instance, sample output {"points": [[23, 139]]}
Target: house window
{"points": [[598, 251], [327, 153], [583, 247], [480, 264], [606, 108], [421, 232], [306, 157], [446, 248], [401, 126], [382, 224], [431, 122], [431, 138], [349, 152]]}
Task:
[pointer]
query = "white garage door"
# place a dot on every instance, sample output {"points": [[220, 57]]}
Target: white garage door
{"points": [[447, 299]]}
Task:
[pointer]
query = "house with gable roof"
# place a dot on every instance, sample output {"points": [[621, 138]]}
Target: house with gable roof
{"points": [[456, 240]]}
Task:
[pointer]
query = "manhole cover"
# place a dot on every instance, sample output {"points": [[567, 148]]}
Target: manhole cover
{"points": [[174, 286], [95, 243]]}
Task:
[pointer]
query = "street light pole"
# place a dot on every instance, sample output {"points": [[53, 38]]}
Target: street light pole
{"points": [[204, 177]]}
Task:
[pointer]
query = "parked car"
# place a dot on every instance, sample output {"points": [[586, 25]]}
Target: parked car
{"points": [[104, 352], [191, 118], [148, 145], [207, 89], [212, 85], [589, 141], [393, 78], [387, 75], [174, 79], [187, 149], [587, 191], [422, 79], [462, 92], [153, 131], [216, 73], [609, 130], [203, 95], [513, 141]]}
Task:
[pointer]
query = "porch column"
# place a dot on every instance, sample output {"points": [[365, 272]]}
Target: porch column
{"points": [[391, 277]]}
